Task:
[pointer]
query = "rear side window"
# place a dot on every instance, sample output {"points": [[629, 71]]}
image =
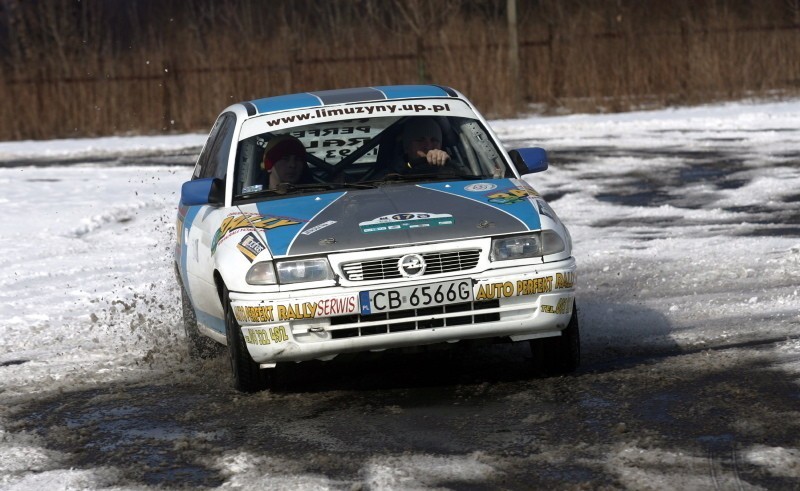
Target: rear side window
{"points": [[213, 161]]}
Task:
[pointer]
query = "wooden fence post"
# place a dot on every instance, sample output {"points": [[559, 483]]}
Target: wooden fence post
{"points": [[556, 65], [422, 73], [686, 69], [173, 92], [513, 53], [166, 91]]}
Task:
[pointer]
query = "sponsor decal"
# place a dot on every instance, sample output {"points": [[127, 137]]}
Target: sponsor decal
{"points": [[564, 306], [263, 337], [404, 221], [384, 109], [317, 228], [479, 187], [490, 291], [565, 280], [506, 289], [336, 140], [512, 196], [245, 222], [252, 189], [530, 286], [337, 306], [327, 307], [250, 246], [254, 313]]}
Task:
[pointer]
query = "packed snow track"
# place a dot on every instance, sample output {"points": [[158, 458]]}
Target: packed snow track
{"points": [[686, 225]]}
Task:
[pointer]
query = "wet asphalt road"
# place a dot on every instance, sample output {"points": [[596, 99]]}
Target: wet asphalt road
{"points": [[622, 420]]}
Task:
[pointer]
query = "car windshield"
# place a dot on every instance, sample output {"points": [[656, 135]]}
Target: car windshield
{"points": [[365, 152]]}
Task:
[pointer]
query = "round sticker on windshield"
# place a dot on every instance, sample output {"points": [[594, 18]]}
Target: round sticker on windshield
{"points": [[480, 186]]}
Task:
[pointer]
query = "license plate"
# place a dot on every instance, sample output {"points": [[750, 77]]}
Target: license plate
{"points": [[415, 297]]}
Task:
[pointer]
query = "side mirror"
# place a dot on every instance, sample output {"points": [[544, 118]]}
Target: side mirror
{"points": [[529, 160], [208, 191]]}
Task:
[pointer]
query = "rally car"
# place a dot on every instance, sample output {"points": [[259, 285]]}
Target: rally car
{"points": [[361, 219]]}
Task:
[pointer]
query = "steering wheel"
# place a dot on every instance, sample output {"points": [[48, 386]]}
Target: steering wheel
{"points": [[420, 165]]}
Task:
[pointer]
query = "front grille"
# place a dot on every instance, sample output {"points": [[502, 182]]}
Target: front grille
{"points": [[471, 315], [387, 268]]}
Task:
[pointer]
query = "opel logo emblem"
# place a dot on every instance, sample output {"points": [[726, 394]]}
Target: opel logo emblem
{"points": [[411, 265]]}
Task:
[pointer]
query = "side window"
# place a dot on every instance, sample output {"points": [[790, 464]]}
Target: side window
{"points": [[213, 159], [218, 159], [202, 161]]}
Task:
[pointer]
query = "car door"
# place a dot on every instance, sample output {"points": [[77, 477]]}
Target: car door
{"points": [[200, 224]]}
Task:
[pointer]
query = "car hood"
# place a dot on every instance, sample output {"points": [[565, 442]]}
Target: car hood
{"points": [[395, 215]]}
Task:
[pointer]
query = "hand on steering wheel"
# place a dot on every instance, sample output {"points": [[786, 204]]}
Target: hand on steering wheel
{"points": [[434, 157]]}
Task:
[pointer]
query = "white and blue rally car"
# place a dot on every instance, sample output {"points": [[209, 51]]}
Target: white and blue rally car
{"points": [[368, 247]]}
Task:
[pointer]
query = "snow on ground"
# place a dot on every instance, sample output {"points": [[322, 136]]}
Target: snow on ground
{"points": [[97, 148], [684, 221]]}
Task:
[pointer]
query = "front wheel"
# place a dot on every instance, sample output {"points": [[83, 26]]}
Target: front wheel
{"points": [[247, 375], [562, 354]]}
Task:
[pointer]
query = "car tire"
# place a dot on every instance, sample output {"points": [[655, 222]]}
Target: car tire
{"points": [[248, 376], [559, 355], [199, 346]]}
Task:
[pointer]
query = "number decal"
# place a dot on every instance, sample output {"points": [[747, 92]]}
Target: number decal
{"points": [[451, 293], [264, 337], [428, 298], [465, 292], [413, 299], [278, 334], [438, 296]]}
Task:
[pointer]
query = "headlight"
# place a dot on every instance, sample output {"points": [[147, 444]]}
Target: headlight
{"points": [[271, 273], [304, 270], [522, 246], [262, 273]]}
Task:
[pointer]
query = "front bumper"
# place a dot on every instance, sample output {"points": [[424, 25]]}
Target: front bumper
{"points": [[520, 302]]}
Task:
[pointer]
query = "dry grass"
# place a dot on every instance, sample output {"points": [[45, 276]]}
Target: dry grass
{"points": [[107, 67]]}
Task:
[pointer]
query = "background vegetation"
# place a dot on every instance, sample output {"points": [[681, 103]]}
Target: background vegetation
{"points": [[97, 67]]}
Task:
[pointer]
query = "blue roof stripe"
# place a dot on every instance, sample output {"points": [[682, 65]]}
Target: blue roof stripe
{"points": [[349, 95], [344, 96], [405, 91], [284, 102]]}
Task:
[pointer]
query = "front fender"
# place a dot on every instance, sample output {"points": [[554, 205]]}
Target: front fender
{"points": [[235, 255]]}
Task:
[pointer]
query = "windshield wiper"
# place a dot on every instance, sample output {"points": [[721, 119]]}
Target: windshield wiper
{"points": [[288, 188], [324, 185], [433, 176]]}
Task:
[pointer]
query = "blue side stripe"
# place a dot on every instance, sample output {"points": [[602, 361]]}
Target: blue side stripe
{"points": [[204, 318], [284, 102], [213, 322], [191, 213], [405, 91]]}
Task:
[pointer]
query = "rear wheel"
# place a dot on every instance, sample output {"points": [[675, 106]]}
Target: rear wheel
{"points": [[199, 346], [562, 354], [247, 375]]}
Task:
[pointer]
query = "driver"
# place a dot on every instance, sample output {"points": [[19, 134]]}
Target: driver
{"points": [[422, 138]]}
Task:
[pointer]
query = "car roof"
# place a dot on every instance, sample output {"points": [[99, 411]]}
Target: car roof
{"points": [[344, 96]]}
